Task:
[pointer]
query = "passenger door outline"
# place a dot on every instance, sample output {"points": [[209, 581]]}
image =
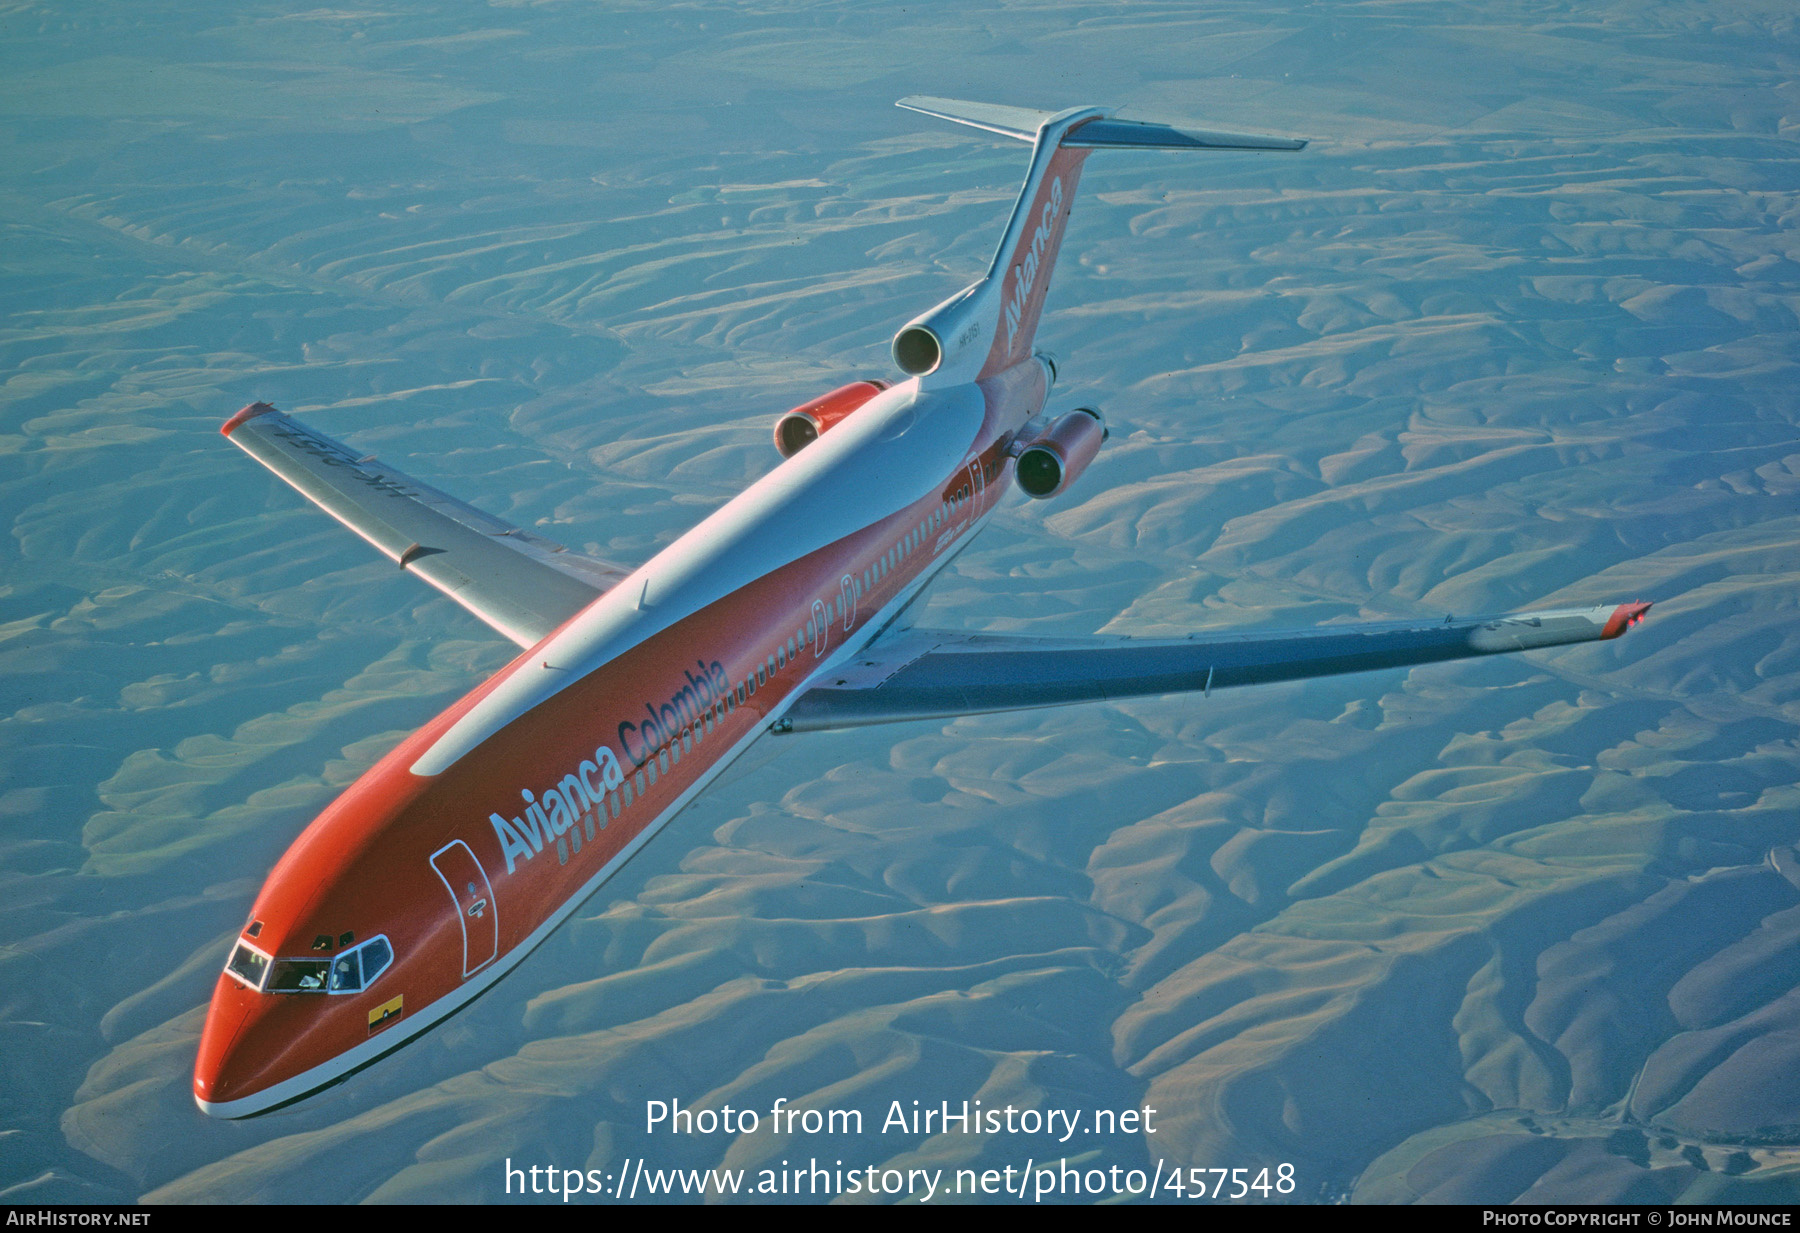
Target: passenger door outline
{"points": [[456, 866]]}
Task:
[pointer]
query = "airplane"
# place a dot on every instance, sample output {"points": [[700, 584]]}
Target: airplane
{"points": [[784, 611]]}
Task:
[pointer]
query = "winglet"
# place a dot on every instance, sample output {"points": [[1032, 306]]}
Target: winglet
{"points": [[1623, 618], [245, 416]]}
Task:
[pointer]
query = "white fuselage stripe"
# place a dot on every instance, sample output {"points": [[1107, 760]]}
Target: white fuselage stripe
{"points": [[891, 453]]}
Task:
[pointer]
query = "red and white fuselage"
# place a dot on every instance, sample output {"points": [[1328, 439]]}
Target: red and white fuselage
{"points": [[464, 847]]}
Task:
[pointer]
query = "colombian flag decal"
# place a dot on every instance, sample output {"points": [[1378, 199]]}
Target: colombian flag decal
{"points": [[386, 1013]]}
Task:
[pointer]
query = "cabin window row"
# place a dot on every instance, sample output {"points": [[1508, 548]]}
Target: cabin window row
{"points": [[910, 542], [644, 776]]}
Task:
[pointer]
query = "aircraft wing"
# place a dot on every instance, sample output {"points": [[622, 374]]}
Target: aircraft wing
{"points": [[927, 674], [521, 584]]}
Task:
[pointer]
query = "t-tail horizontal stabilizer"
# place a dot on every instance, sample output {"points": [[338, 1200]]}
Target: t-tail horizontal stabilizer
{"points": [[989, 326], [1101, 132]]}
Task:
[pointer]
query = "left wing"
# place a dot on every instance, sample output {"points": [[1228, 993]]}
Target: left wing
{"points": [[926, 674], [519, 583]]}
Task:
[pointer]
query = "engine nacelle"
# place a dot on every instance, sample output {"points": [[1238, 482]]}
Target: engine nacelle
{"points": [[1055, 458], [932, 339], [800, 427]]}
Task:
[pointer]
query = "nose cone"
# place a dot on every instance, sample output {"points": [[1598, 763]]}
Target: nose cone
{"points": [[252, 1055], [220, 1071]]}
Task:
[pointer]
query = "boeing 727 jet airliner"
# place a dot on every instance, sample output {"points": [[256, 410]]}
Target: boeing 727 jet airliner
{"points": [[457, 853]]}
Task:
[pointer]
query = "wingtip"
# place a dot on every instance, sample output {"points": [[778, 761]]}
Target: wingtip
{"points": [[1624, 617], [248, 413]]}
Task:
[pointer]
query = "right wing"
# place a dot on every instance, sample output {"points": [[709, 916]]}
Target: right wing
{"points": [[521, 584], [927, 674]]}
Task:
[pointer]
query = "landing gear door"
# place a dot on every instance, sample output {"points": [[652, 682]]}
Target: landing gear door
{"points": [[467, 882]]}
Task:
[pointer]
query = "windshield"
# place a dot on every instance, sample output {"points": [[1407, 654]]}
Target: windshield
{"points": [[354, 969], [298, 976], [350, 972], [248, 965], [346, 973]]}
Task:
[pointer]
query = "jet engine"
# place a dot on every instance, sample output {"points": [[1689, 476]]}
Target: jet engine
{"points": [[1055, 458], [938, 337], [800, 427]]}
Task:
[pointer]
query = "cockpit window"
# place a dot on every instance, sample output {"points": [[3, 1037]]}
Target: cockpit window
{"points": [[376, 955], [299, 975], [349, 972], [346, 973], [357, 969], [249, 966]]}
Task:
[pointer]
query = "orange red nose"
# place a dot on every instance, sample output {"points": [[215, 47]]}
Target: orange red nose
{"points": [[251, 1044], [216, 1079]]}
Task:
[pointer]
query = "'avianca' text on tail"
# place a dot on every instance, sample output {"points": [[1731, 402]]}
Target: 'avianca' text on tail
{"points": [[637, 683]]}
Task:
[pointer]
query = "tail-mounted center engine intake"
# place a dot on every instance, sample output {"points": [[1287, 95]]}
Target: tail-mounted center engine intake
{"points": [[800, 427], [933, 339], [1056, 457]]}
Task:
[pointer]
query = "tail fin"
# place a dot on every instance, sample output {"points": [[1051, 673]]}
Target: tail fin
{"points": [[989, 326]]}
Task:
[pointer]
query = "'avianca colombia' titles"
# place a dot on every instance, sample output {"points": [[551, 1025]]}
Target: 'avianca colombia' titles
{"points": [[581, 795]]}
